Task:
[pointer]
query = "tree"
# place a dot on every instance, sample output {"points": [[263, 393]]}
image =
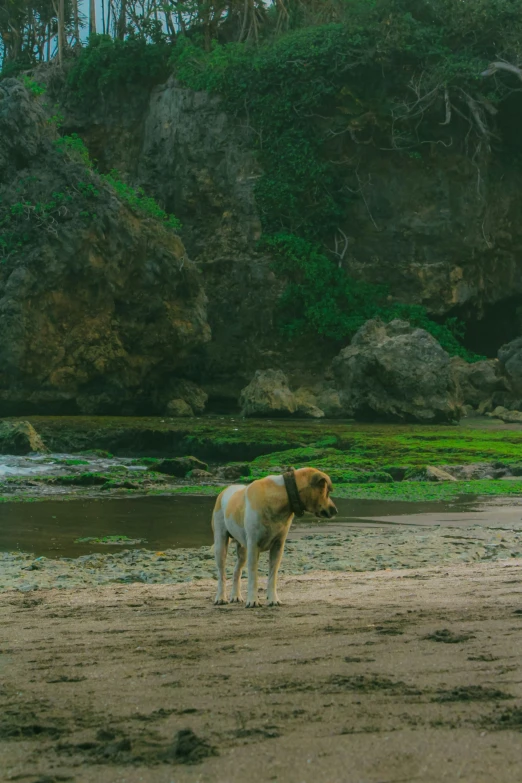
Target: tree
{"points": [[92, 17]]}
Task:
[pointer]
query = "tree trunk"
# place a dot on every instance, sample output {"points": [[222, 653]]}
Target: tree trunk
{"points": [[76, 17], [92, 17], [122, 20]]}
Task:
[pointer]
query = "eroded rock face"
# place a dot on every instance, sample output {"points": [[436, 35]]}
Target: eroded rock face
{"points": [[100, 305], [510, 358], [478, 383], [179, 466], [508, 416], [183, 396], [268, 394], [20, 437], [395, 372]]}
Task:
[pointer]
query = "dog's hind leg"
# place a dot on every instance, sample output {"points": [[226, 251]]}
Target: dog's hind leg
{"points": [[236, 596], [221, 539], [276, 555]]}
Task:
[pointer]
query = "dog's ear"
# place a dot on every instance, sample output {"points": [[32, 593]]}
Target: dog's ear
{"points": [[318, 481]]}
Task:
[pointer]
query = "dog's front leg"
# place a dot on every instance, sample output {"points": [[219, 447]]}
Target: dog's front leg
{"points": [[252, 564], [276, 555]]}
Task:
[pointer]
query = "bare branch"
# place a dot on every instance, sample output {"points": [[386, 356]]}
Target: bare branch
{"points": [[448, 108], [345, 248], [501, 65]]}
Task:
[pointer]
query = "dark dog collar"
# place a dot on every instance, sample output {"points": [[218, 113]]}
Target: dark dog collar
{"points": [[296, 506]]}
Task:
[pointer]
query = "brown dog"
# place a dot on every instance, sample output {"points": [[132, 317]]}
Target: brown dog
{"points": [[258, 518]]}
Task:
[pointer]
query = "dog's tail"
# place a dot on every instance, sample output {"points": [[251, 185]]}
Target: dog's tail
{"points": [[212, 523], [217, 507]]}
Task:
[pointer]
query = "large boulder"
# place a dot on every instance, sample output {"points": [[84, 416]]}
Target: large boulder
{"points": [[306, 404], [19, 438], [505, 415], [396, 372], [268, 394], [510, 358], [179, 466], [478, 383], [99, 304], [184, 398]]}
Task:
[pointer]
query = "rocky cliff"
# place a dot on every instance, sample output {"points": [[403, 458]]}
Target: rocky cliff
{"points": [[442, 231], [100, 305]]}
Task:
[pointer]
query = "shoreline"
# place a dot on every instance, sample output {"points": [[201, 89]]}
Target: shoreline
{"points": [[345, 551]]}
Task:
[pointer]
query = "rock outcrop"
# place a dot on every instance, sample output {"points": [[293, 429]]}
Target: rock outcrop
{"points": [[478, 384], [99, 304], [179, 466], [19, 438], [395, 372], [506, 415], [417, 226], [268, 394], [510, 358]]}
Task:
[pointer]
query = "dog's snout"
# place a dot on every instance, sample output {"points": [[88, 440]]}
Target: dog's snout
{"points": [[333, 511]]}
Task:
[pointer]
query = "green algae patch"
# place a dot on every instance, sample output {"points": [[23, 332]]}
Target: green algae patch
{"points": [[337, 464], [72, 462], [110, 540], [228, 439], [422, 491]]}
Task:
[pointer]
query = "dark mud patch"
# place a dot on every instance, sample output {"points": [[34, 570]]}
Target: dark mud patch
{"points": [[448, 637], [470, 693], [65, 678], [188, 748], [361, 683], [113, 751], [12, 731], [28, 778], [267, 733], [389, 630], [507, 719], [111, 747]]}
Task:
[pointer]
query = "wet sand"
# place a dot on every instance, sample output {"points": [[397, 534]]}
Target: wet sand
{"points": [[379, 677]]}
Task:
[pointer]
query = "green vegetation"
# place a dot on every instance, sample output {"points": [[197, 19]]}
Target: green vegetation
{"points": [[75, 149], [34, 211], [364, 461], [107, 64], [27, 209], [320, 297], [318, 85], [305, 92], [366, 446], [332, 461], [427, 491], [138, 200], [33, 86]]}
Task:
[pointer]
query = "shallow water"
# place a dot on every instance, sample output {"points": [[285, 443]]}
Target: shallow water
{"points": [[51, 528]]}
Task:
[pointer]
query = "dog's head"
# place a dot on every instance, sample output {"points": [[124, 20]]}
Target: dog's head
{"points": [[316, 494]]}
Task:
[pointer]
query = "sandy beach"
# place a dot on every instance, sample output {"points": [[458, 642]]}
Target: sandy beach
{"points": [[384, 676]]}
